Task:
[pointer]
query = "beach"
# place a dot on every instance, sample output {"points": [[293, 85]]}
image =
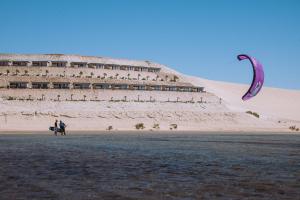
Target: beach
{"points": [[221, 110], [149, 100]]}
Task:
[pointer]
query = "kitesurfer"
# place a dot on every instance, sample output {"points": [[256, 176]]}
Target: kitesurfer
{"points": [[55, 127], [62, 127]]}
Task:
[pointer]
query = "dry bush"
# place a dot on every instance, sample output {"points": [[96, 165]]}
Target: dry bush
{"points": [[253, 113], [293, 128], [156, 126], [139, 126], [173, 126]]}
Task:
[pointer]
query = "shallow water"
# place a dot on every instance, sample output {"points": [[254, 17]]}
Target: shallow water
{"points": [[150, 166]]}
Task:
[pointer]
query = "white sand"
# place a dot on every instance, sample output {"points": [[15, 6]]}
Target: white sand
{"points": [[278, 109], [270, 102]]}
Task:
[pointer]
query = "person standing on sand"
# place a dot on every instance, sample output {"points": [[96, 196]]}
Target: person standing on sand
{"points": [[62, 127], [55, 127]]}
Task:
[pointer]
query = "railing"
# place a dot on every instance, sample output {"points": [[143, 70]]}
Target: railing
{"points": [[23, 85], [66, 64]]}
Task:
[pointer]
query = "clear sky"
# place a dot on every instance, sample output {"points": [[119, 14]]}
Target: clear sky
{"points": [[200, 37]]}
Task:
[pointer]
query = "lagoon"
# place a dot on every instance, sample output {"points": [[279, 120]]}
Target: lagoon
{"points": [[138, 165]]}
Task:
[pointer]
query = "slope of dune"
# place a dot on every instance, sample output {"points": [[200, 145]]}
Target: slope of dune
{"points": [[222, 109], [270, 102]]}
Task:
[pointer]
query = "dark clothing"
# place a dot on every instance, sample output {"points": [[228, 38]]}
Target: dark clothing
{"points": [[55, 128], [62, 127]]}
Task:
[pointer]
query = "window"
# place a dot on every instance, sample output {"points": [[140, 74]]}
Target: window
{"points": [[115, 67], [99, 66], [100, 86], [139, 87], [184, 89], [173, 88], [121, 87], [156, 87], [37, 85], [4, 63], [61, 85], [20, 85], [78, 64], [59, 64], [19, 63], [107, 67], [200, 89], [123, 68], [81, 86], [91, 65], [39, 63]]}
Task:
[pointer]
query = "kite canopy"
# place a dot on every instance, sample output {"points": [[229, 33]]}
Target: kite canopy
{"points": [[258, 77]]}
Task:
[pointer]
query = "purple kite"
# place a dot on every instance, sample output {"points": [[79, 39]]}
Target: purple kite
{"points": [[258, 77]]}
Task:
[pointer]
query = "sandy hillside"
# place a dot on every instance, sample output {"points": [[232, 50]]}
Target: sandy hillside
{"points": [[270, 102], [278, 109]]}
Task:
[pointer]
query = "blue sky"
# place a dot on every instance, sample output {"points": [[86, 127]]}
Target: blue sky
{"points": [[200, 37]]}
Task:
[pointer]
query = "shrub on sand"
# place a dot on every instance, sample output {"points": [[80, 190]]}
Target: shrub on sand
{"points": [[139, 126], [253, 113], [10, 98], [173, 126], [293, 128], [156, 126]]}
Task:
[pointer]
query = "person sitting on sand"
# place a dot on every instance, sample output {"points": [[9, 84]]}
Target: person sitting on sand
{"points": [[62, 127], [55, 127]]}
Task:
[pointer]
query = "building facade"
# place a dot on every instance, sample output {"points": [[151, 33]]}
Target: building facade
{"points": [[73, 72]]}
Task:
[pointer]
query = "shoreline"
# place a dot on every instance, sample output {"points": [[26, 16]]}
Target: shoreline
{"points": [[198, 132]]}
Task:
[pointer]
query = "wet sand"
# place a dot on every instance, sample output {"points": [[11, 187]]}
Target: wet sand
{"points": [[154, 132], [141, 165]]}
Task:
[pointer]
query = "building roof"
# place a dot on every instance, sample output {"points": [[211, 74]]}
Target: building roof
{"points": [[78, 58]]}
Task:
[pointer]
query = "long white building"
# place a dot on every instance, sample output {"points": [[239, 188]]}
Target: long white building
{"points": [[58, 71]]}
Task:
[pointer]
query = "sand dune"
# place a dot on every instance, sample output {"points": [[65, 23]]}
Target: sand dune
{"points": [[270, 102], [278, 109]]}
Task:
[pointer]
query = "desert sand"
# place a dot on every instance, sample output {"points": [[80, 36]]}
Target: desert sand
{"points": [[278, 109]]}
